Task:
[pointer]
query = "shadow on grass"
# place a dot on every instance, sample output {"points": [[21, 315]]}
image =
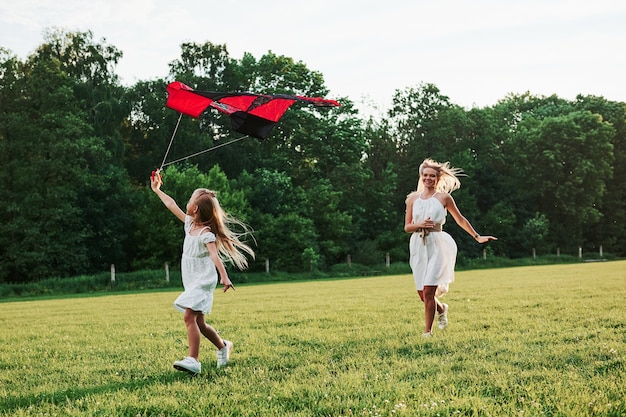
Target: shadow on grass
{"points": [[11, 404]]}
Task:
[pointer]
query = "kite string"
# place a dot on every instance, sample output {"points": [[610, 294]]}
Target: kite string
{"points": [[201, 152], [171, 141]]}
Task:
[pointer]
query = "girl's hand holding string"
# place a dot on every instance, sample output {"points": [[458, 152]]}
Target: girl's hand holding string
{"points": [[156, 181]]}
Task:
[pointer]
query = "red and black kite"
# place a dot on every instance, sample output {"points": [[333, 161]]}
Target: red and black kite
{"points": [[252, 114]]}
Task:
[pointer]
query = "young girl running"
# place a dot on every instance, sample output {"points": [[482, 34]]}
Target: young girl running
{"points": [[207, 237]]}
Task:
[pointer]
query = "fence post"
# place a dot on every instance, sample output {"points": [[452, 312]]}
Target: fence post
{"points": [[580, 252], [167, 271], [349, 260], [600, 251], [387, 260], [558, 251], [112, 272], [484, 253], [534, 254], [267, 265]]}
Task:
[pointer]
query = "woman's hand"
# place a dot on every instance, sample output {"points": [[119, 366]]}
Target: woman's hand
{"points": [[484, 239], [427, 224]]}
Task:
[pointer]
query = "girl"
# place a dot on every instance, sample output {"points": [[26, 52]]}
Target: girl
{"points": [[433, 251], [207, 236]]}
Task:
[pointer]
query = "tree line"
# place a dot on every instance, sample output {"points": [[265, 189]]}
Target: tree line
{"points": [[77, 149]]}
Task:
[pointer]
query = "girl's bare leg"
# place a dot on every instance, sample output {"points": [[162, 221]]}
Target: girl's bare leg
{"points": [[209, 332], [193, 333]]}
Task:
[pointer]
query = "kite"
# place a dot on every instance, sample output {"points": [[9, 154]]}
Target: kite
{"points": [[251, 114]]}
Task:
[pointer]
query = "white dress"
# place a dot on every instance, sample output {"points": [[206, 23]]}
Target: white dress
{"points": [[198, 272], [432, 263]]}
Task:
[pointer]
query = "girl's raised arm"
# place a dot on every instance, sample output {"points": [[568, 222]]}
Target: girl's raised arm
{"points": [[156, 182]]}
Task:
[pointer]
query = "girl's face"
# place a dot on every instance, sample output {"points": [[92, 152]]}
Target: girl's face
{"points": [[429, 177], [192, 207]]}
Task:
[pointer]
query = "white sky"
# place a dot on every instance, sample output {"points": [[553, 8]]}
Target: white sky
{"points": [[475, 51]]}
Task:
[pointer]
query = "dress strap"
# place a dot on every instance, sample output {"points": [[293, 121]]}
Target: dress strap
{"points": [[200, 232]]}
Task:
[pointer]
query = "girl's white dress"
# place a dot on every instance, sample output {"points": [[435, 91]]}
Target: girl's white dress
{"points": [[432, 263], [198, 272]]}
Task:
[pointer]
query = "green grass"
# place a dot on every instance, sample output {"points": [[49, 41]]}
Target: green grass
{"points": [[527, 341]]}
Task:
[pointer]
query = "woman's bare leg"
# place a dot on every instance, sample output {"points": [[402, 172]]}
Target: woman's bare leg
{"points": [[430, 307], [440, 309]]}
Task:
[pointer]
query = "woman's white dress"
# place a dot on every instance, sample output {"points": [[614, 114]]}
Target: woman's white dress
{"points": [[432, 263], [198, 272]]}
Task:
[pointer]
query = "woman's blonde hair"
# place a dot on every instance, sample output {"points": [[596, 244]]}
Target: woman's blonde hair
{"points": [[447, 180], [210, 213]]}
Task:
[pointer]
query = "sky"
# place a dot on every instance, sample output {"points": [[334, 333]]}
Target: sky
{"points": [[475, 51]]}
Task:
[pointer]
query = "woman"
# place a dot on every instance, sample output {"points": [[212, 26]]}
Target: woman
{"points": [[433, 251]]}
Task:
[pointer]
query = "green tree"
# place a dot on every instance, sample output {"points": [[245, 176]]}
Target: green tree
{"points": [[379, 219], [332, 225], [281, 217], [104, 198], [45, 152], [610, 233], [501, 221], [69, 200], [561, 165], [534, 233], [485, 196], [91, 65]]}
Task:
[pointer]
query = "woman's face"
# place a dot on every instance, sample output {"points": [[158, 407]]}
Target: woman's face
{"points": [[429, 177]]}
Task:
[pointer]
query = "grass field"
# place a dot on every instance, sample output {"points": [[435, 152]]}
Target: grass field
{"points": [[528, 341]]}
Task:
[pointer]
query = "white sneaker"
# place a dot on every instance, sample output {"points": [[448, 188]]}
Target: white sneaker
{"points": [[188, 364], [223, 354], [427, 335], [443, 318]]}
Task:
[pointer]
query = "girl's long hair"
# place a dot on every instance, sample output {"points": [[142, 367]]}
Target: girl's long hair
{"points": [[229, 245], [447, 176]]}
